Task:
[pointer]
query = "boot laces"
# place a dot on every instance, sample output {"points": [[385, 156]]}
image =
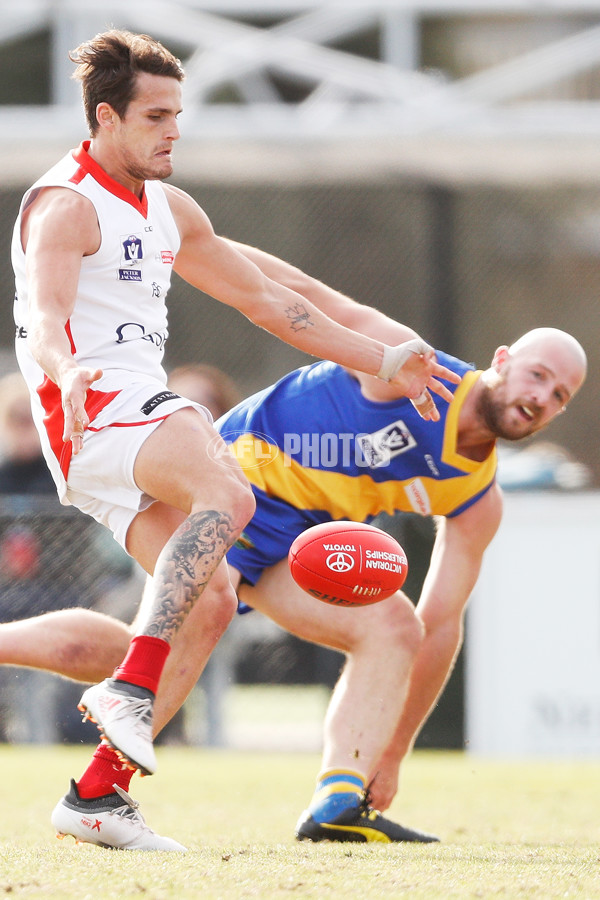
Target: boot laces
{"points": [[365, 808], [140, 710], [129, 809]]}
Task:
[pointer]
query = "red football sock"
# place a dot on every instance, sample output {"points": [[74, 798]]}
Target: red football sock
{"points": [[104, 770], [144, 662]]}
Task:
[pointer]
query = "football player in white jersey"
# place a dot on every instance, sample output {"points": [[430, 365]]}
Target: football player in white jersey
{"points": [[94, 246]]}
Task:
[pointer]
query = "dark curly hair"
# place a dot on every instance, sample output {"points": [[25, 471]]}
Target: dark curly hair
{"points": [[108, 65]]}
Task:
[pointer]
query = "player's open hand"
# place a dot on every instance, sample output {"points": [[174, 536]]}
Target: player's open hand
{"points": [[74, 387], [413, 367]]}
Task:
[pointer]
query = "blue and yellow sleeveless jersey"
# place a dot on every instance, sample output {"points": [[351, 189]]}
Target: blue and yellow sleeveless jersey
{"points": [[315, 449]]}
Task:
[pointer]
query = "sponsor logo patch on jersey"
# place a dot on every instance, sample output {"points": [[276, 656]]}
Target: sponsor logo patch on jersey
{"points": [[132, 254], [418, 497], [167, 257], [151, 404], [432, 466], [382, 446]]}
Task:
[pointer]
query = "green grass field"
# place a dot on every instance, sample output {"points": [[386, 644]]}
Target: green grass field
{"points": [[508, 830]]}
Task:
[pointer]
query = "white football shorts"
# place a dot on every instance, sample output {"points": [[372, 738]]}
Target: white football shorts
{"points": [[100, 481]]}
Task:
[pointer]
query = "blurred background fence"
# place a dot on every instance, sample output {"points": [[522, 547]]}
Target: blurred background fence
{"points": [[439, 160]]}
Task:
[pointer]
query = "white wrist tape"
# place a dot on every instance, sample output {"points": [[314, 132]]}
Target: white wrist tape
{"points": [[395, 357]]}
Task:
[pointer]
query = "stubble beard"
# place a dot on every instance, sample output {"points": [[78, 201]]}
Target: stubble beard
{"points": [[493, 412], [148, 172]]}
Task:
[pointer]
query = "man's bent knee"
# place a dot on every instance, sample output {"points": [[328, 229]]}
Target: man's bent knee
{"points": [[397, 624], [234, 498]]}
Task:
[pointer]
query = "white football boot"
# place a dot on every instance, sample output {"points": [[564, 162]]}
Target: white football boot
{"points": [[111, 821], [123, 714]]}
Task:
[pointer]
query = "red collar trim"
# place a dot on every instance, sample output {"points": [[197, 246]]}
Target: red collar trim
{"points": [[85, 161]]}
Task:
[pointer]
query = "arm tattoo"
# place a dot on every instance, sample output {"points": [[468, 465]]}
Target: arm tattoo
{"points": [[299, 316], [189, 561]]}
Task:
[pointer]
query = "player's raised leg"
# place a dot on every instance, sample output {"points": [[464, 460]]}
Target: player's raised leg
{"points": [[380, 643], [185, 553], [217, 503]]}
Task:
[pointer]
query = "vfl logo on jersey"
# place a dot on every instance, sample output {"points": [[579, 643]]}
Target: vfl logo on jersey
{"points": [[132, 255], [380, 447]]}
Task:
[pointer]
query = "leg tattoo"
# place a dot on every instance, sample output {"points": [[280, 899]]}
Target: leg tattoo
{"points": [[193, 554]]}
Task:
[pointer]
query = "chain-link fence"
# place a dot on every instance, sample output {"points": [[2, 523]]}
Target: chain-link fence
{"points": [[51, 558], [470, 266]]}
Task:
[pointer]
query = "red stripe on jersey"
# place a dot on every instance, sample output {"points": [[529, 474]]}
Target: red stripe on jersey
{"points": [[132, 424], [78, 176], [91, 167], [54, 420]]}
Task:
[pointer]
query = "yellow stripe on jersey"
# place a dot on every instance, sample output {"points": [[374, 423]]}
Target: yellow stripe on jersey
{"points": [[449, 453], [268, 468]]}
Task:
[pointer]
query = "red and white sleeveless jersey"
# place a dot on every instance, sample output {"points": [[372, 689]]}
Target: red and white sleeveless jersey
{"points": [[119, 321]]}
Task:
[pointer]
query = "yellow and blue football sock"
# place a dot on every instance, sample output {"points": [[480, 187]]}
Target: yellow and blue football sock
{"points": [[336, 791]]}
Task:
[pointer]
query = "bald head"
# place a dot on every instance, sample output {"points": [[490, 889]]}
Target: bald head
{"points": [[530, 383], [556, 349]]}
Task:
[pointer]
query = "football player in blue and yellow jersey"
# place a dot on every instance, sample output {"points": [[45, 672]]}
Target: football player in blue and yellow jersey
{"points": [[327, 443]]}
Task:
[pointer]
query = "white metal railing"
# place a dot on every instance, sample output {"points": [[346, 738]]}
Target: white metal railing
{"points": [[342, 94]]}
